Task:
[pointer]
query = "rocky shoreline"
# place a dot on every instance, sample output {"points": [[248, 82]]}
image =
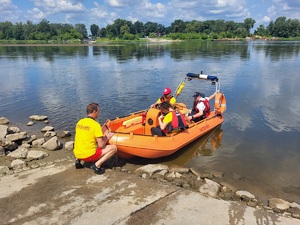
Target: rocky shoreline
{"points": [[20, 152]]}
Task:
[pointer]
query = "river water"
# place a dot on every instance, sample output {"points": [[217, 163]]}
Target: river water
{"points": [[257, 148]]}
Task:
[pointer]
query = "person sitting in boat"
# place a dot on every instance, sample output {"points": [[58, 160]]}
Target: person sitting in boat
{"points": [[166, 97], [170, 120], [201, 107]]}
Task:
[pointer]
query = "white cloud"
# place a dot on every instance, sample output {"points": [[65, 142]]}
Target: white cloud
{"points": [[163, 11], [287, 8], [57, 6], [8, 11], [114, 3], [36, 14], [266, 19], [98, 12], [6, 5]]}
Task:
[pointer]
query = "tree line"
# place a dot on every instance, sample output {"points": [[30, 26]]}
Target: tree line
{"points": [[126, 30]]}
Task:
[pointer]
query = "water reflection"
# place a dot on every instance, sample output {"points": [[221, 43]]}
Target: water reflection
{"points": [[211, 143], [277, 50], [36, 53], [186, 50]]}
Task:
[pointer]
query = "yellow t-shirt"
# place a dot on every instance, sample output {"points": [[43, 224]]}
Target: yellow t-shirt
{"points": [[87, 130], [172, 101]]}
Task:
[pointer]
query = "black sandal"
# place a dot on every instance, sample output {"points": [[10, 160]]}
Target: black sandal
{"points": [[97, 170]]}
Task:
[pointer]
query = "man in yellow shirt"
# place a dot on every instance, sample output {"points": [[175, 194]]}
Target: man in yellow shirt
{"points": [[170, 120], [90, 143], [166, 97]]}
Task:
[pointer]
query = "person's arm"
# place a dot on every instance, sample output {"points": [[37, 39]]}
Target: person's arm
{"points": [[165, 120], [197, 115], [155, 104], [101, 141], [213, 95], [161, 122]]}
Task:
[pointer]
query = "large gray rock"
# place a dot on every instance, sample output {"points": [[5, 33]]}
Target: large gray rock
{"points": [[38, 117], [4, 120], [50, 134], [245, 195], [19, 153], [9, 145], [30, 123], [35, 154], [3, 170], [210, 188], [48, 128], [69, 145], [17, 136], [38, 143], [18, 164], [13, 130], [30, 139], [279, 204], [150, 169], [3, 131], [63, 133], [52, 144]]}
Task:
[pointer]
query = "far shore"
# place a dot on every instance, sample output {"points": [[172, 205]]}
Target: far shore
{"points": [[121, 42], [94, 43]]}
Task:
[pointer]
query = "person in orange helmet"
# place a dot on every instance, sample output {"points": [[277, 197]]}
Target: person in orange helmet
{"points": [[166, 97]]}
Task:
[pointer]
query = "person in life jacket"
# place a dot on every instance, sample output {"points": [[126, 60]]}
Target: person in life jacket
{"points": [[170, 120], [166, 97], [201, 107]]}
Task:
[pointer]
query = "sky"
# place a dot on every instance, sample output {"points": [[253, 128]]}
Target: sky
{"points": [[164, 12]]}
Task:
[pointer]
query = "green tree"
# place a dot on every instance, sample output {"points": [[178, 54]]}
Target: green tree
{"points": [[261, 31], [248, 24], [61, 28], [81, 28], [138, 27], [44, 26], [193, 27], [6, 28], [18, 31], [111, 31], [178, 26], [279, 28], [121, 26], [102, 32], [241, 32], [219, 26], [150, 27], [28, 28], [231, 25], [124, 29], [128, 36], [94, 29], [294, 27]]}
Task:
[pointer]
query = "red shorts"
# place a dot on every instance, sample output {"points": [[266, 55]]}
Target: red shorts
{"points": [[94, 157]]}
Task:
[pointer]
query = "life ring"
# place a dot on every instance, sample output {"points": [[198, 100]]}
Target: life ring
{"points": [[220, 103]]}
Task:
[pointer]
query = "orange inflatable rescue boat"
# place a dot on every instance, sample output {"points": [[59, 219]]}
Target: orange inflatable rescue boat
{"points": [[132, 133]]}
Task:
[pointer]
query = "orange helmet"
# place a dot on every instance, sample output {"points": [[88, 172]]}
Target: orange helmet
{"points": [[167, 91]]}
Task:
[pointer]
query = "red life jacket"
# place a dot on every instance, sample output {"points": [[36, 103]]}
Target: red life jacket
{"points": [[163, 99], [178, 122], [206, 111]]}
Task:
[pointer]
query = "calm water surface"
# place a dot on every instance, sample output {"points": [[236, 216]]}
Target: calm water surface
{"points": [[256, 148]]}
